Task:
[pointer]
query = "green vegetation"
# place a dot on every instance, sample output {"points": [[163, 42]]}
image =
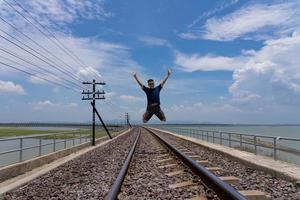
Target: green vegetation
{"points": [[11, 132], [100, 134]]}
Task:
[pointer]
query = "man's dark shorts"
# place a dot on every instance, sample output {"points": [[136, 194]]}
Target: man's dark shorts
{"points": [[153, 109]]}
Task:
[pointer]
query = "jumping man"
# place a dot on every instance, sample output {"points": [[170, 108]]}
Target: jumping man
{"points": [[153, 101]]}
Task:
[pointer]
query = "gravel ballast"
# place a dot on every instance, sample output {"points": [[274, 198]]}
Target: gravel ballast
{"points": [[250, 178], [145, 180], [89, 176]]}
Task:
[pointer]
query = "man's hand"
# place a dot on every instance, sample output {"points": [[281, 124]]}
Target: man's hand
{"points": [[134, 74], [137, 79], [166, 77], [169, 72]]}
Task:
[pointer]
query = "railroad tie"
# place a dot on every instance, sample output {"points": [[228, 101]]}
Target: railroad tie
{"points": [[203, 162], [249, 194], [179, 147], [201, 197], [214, 169], [164, 160], [195, 157], [187, 152], [254, 194], [182, 149], [164, 155], [229, 179], [167, 166], [181, 184], [175, 173]]}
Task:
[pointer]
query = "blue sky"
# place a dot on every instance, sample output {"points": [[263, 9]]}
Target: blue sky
{"points": [[233, 61]]}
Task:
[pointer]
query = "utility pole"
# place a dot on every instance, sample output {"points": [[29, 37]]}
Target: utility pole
{"points": [[127, 120], [93, 95]]}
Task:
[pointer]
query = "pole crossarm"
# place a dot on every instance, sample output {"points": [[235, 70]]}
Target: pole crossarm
{"points": [[89, 92], [96, 83], [96, 98]]}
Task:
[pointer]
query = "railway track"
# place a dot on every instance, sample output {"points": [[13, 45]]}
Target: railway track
{"points": [[161, 169]]}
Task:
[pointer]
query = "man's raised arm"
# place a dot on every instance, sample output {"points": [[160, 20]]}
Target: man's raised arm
{"points": [[138, 80], [165, 78]]}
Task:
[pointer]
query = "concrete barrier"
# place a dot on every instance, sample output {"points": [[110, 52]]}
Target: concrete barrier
{"points": [[17, 169]]}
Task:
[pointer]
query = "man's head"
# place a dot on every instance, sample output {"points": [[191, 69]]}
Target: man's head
{"points": [[151, 83]]}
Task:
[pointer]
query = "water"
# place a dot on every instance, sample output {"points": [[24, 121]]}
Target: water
{"points": [[289, 131], [267, 130], [11, 145], [47, 147]]}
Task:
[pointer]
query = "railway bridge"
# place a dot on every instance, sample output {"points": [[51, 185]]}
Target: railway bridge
{"points": [[150, 163]]}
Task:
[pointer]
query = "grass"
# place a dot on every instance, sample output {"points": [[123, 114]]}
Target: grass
{"points": [[98, 134], [13, 132], [10, 132]]}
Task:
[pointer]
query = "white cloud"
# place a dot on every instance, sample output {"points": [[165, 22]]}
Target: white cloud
{"points": [[97, 56], [11, 87], [47, 104], [72, 105], [154, 41], [44, 104], [253, 21], [88, 72], [129, 98], [109, 95], [40, 79], [112, 60], [202, 112], [56, 12], [56, 90], [223, 6], [271, 74], [189, 36], [196, 62]]}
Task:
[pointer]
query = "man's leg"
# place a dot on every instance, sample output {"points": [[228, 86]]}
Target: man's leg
{"points": [[147, 115], [160, 114]]}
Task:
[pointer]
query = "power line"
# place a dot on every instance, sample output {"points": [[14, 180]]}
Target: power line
{"points": [[53, 64], [29, 62], [61, 46], [31, 74], [36, 43], [58, 43], [38, 58], [39, 72], [15, 62]]}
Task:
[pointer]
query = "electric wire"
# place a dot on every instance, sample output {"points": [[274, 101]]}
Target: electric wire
{"points": [[58, 43], [39, 59], [61, 45], [32, 64], [31, 74], [44, 58], [37, 44], [64, 48]]}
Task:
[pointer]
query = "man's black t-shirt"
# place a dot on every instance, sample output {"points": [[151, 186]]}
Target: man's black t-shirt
{"points": [[152, 94]]}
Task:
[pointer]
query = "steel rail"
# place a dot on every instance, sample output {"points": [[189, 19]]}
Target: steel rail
{"points": [[222, 189], [113, 193]]}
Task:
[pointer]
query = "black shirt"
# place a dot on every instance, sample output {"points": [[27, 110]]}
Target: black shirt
{"points": [[152, 94]]}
